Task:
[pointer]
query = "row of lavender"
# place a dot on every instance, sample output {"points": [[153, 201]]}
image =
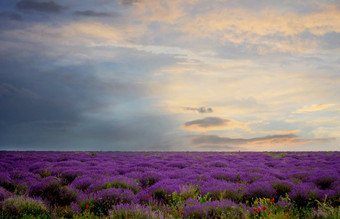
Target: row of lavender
{"points": [[176, 184]]}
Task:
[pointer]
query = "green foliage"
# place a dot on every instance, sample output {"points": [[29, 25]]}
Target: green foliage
{"points": [[89, 215], [20, 189], [30, 208], [162, 195], [290, 208], [176, 199], [228, 194], [20, 205], [276, 211], [45, 173], [65, 212], [325, 210], [205, 198], [238, 177], [126, 214], [94, 154], [96, 207], [67, 178], [137, 213], [281, 188], [276, 155], [148, 182], [190, 191], [226, 212], [117, 184]]}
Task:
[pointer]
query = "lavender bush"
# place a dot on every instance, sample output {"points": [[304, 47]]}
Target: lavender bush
{"points": [[170, 184]]}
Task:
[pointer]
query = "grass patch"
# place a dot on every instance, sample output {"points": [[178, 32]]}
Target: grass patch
{"points": [[276, 154]]}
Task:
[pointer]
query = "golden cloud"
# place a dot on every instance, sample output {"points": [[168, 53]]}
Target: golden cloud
{"points": [[283, 132], [313, 108], [269, 30], [214, 123]]}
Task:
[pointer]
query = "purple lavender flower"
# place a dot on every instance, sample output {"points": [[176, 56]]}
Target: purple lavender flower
{"points": [[213, 209], [302, 193], [65, 180], [13, 206], [114, 182], [75, 207], [323, 179], [223, 190], [4, 194], [282, 188], [51, 190], [150, 178], [6, 181], [162, 190], [133, 211], [103, 200], [259, 190], [82, 182]]}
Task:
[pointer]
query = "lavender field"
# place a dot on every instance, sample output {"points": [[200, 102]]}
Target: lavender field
{"points": [[169, 185]]}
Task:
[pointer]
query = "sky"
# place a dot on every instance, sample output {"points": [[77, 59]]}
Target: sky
{"points": [[171, 75]]}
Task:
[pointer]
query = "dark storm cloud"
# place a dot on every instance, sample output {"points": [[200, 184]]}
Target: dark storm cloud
{"points": [[91, 13], [9, 90], [68, 108], [11, 16], [207, 122], [30, 95], [202, 109], [289, 139], [49, 6], [134, 132]]}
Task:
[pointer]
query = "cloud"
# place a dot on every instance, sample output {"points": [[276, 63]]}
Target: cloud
{"points": [[216, 148], [10, 90], [214, 123], [86, 34], [244, 25], [49, 7], [91, 13], [97, 35], [202, 109], [285, 132], [224, 18], [313, 108], [266, 141], [264, 30], [156, 11], [128, 2], [327, 132], [76, 110], [154, 55], [207, 122], [11, 16]]}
